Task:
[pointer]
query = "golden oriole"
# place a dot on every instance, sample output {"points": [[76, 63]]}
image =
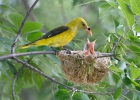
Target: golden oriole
{"points": [[62, 35]]}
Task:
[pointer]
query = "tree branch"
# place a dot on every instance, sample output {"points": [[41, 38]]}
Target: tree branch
{"points": [[116, 44], [15, 78], [22, 24], [26, 6], [9, 56], [107, 55], [25, 54], [14, 82]]}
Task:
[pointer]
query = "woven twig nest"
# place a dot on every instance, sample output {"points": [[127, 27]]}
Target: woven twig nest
{"points": [[79, 67]]}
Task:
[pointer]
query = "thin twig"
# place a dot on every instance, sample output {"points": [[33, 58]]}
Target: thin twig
{"points": [[22, 24], [124, 93], [55, 81], [25, 54], [26, 6], [9, 56], [109, 55], [14, 82], [116, 44], [15, 78], [99, 93]]}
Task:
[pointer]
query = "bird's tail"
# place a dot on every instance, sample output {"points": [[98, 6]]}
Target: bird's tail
{"points": [[27, 45]]}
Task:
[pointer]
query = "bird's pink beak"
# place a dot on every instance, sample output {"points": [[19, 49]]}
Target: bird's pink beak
{"points": [[88, 31]]}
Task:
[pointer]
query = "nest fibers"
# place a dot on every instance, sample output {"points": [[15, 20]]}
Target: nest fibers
{"points": [[81, 68]]}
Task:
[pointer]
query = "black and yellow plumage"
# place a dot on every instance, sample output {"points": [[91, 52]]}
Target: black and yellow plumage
{"points": [[62, 35]]}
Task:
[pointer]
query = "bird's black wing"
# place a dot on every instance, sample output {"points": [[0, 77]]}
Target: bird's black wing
{"points": [[52, 33], [55, 32]]}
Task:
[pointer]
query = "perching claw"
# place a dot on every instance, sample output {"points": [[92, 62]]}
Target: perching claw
{"points": [[55, 50]]}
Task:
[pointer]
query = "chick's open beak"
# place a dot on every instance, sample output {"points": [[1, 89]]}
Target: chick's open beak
{"points": [[87, 29], [89, 47]]}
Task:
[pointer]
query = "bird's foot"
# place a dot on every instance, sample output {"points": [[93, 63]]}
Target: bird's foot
{"points": [[55, 50], [67, 51]]}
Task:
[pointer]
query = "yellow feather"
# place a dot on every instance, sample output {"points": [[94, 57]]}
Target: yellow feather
{"points": [[62, 38]]}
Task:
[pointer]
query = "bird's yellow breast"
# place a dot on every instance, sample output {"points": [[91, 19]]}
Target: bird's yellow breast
{"points": [[59, 40]]}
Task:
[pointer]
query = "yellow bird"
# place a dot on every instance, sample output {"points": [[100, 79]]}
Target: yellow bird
{"points": [[62, 35]]}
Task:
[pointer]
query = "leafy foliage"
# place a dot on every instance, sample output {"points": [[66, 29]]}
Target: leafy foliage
{"points": [[108, 19]]}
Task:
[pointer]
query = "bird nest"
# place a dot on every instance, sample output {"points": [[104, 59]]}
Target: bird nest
{"points": [[81, 68]]}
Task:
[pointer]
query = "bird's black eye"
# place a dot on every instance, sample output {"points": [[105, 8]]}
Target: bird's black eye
{"points": [[83, 24], [88, 29]]}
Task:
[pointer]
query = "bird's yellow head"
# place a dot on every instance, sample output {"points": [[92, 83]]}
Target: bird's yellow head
{"points": [[82, 24]]}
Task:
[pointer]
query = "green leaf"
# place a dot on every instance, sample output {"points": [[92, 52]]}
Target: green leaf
{"points": [[3, 6], [20, 83], [8, 29], [135, 83], [137, 88], [66, 83], [28, 76], [104, 84], [135, 49], [6, 46], [122, 65], [38, 79], [127, 1], [6, 40], [6, 43], [33, 36], [114, 68], [75, 2], [6, 96], [120, 29], [116, 77], [127, 13], [112, 3], [137, 28], [7, 89], [135, 72], [71, 45], [126, 80], [117, 93], [116, 23], [135, 5], [11, 67], [107, 35], [3, 70], [62, 94], [135, 96], [137, 80], [134, 39], [80, 96], [53, 58], [92, 97], [103, 9], [31, 27], [15, 19]]}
